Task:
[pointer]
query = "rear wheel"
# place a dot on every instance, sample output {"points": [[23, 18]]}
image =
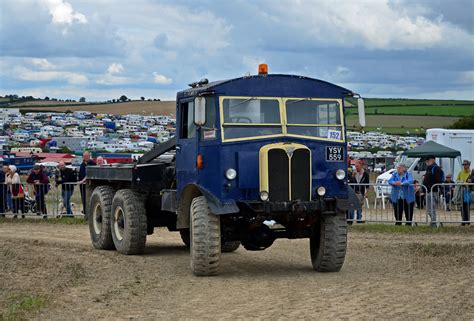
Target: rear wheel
{"points": [[230, 246], [185, 236], [99, 224], [205, 239], [129, 222], [328, 243]]}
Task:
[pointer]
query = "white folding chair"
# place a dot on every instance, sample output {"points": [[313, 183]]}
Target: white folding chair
{"points": [[379, 196]]}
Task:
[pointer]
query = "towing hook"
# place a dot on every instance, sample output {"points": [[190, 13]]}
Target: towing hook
{"points": [[298, 208]]}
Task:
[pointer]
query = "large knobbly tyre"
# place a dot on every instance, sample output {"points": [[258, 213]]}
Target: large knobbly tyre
{"points": [[205, 239], [99, 219], [129, 222], [328, 243], [230, 246]]}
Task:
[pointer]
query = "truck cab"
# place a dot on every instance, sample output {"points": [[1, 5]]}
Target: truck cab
{"points": [[257, 158]]}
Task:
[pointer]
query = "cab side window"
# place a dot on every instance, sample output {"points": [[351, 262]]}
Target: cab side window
{"points": [[188, 129], [209, 130]]}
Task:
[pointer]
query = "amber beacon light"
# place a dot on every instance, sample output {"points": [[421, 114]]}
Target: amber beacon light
{"points": [[263, 69]]}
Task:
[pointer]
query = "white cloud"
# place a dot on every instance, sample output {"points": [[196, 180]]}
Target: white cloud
{"points": [[380, 24], [63, 14], [115, 68], [110, 77], [161, 79], [42, 63], [32, 75]]}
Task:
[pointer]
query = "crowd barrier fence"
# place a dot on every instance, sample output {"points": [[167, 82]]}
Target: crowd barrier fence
{"points": [[51, 201]]}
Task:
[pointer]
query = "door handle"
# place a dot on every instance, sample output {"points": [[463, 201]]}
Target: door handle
{"points": [[178, 148]]}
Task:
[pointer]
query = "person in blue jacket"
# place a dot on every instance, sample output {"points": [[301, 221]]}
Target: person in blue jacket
{"points": [[403, 194]]}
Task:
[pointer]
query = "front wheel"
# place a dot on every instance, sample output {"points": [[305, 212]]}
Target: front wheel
{"points": [[328, 242], [205, 239]]}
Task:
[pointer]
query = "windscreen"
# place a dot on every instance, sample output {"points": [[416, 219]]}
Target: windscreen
{"points": [[251, 117]]}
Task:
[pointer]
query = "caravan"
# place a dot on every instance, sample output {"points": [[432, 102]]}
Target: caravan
{"points": [[457, 139]]}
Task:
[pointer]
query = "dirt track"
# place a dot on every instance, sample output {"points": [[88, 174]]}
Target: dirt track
{"points": [[385, 276]]}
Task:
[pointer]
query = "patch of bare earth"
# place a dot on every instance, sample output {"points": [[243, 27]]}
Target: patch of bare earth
{"points": [[385, 276]]}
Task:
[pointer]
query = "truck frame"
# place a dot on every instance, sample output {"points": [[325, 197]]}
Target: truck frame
{"points": [[254, 159]]}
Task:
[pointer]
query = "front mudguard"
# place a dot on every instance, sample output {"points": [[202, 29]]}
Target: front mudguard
{"points": [[353, 203], [216, 206]]}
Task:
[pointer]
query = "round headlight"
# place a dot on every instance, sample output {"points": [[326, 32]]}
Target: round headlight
{"points": [[264, 196], [231, 174], [340, 174], [321, 190]]}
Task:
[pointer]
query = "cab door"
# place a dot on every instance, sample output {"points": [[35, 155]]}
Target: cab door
{"points": [[186, 145]]}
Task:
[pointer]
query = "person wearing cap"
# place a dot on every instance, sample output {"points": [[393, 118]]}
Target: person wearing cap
{"points": [[40, 181], [433, 175], [465, 176]]}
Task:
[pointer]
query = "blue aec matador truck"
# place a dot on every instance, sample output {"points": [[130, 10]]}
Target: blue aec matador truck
{"points": [[257, 158]]}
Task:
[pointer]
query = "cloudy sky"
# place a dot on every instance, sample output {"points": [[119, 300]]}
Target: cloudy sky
{"points": [[101, 49]]}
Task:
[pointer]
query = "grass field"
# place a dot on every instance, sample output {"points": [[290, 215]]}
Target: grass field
{"points": [[136, 107], [421, 107], [400, 124]]}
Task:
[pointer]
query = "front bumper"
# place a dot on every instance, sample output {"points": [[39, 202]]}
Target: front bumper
{"points": [[323, 206]]}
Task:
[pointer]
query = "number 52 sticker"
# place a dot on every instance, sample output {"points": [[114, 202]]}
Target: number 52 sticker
{"points": [[334, 134]]}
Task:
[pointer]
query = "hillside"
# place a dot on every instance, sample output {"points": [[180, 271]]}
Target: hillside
{"points": [[396, 116], [137, 107]]}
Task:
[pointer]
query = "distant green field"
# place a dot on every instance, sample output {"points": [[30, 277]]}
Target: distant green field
{"points": [[420, 107], [400, 124]]}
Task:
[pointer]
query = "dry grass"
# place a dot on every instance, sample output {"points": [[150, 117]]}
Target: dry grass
{"points": [[132, 107]]}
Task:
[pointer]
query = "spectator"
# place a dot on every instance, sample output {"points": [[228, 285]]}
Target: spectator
{"points": [[360, 179], [40, 182], [9, 200], [466, 176], [86, 161], [402, 195], [3, 192], [419, 195], [101, 160], [448, 191], [432, 176], [13, 181], [67, 178]]}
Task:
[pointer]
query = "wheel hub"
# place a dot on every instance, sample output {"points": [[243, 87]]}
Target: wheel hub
{"points": [[97, 218], [119, 223]]}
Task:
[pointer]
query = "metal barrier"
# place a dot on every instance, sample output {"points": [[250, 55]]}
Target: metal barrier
{"points": [[449, 203], [445, 200], [442, 199], [43, 200], [377, 207]]}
